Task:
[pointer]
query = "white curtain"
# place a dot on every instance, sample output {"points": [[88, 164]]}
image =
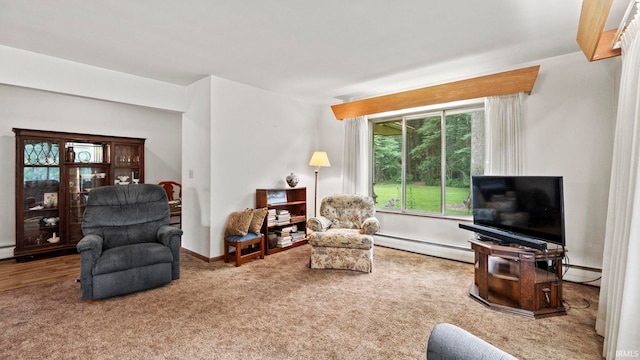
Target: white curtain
{"points": [[503, 129], [619, 306], [355, 162]]}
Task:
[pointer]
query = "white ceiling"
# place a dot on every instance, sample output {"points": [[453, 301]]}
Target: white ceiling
{"points": [[315, 50]]}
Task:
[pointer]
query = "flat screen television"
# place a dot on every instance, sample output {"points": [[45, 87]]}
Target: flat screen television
{"points": [[532, 206]]}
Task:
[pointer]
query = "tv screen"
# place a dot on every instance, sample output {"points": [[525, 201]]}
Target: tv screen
{"points": [[526, 205]]}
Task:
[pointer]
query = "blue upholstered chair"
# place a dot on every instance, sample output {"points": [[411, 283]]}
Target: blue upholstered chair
{"points": [[128, 244], [243, 234]]}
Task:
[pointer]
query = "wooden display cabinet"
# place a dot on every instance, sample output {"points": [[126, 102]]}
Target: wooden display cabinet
{"points": [[55, 173], [293, 200]]}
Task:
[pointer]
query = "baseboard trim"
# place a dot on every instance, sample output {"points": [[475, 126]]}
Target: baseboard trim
{"points": [[6, 252], [201, 257]]}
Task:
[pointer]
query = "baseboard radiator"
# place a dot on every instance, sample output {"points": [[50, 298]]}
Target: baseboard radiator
{"points": [[574, 273]]}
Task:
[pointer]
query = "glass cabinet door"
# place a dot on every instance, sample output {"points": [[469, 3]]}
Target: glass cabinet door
{"points": [[127, 164], [41, 176], [82, 179]]}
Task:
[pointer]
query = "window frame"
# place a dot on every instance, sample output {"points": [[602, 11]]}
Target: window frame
{"points": [[407, 114]]}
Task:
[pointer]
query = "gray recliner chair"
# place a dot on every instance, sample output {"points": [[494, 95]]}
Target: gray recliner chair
{"points": [[128, 244], [449, 342]]}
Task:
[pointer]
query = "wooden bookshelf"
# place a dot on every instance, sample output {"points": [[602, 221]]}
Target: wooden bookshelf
{"points": [[293, 200]]}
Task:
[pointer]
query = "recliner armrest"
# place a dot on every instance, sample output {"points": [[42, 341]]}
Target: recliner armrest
{"points": [[318, 223], [92, 243], [171, 237], [168, 234], [90, 249], [370, 226]]}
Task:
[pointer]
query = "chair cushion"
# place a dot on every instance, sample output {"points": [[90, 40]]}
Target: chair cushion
{"points": [[130, 256], [341, 258], [242, 238], [342, 238]]}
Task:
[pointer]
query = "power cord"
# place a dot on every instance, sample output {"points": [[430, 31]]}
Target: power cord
{"points": [[588, 281], [569, 307], [567, 304]]}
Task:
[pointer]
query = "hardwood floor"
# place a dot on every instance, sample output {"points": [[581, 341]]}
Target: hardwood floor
{"points": [[15, 275]]}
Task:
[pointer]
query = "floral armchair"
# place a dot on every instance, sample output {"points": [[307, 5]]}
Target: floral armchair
{"points": [[342, 234]]}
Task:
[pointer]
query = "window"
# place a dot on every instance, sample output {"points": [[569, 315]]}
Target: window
{"points": [[417, 169]]}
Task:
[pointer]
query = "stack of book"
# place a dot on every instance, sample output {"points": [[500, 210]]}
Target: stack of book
{"points": [[283, 216], [283, 238], [284, 242], [297, 236], [271, 217]]}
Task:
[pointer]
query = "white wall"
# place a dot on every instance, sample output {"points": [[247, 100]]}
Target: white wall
{"points": [[257, 139], [42, 110], [196, 169], [330, 138], [569, 123], [32, 70]]}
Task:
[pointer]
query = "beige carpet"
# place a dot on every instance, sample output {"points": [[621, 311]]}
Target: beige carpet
{"points": [[277, 308]]}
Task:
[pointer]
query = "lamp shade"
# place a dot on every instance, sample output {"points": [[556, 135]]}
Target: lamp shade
{"points": [[319, 158]]}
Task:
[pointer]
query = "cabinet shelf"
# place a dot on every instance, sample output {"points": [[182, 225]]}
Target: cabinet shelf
{"points": [[293, 244], [288, 203], [293, 222], [41, 210], [75, 163]]}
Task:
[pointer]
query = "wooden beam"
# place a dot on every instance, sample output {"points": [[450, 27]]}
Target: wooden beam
{"points": [[594, 42], [509, 82]]}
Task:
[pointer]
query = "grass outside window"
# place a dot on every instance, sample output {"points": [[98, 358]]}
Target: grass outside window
{"points": [[423, 198]]}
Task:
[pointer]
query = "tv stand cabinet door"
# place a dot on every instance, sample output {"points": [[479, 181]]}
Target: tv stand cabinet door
{"points": [[547, 296]]}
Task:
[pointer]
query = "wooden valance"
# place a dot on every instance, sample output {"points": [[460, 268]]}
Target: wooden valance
{"points": [[509, 82], [593, 40]]}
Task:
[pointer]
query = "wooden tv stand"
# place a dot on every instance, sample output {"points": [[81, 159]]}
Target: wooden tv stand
{"points": [[508, 279]]}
